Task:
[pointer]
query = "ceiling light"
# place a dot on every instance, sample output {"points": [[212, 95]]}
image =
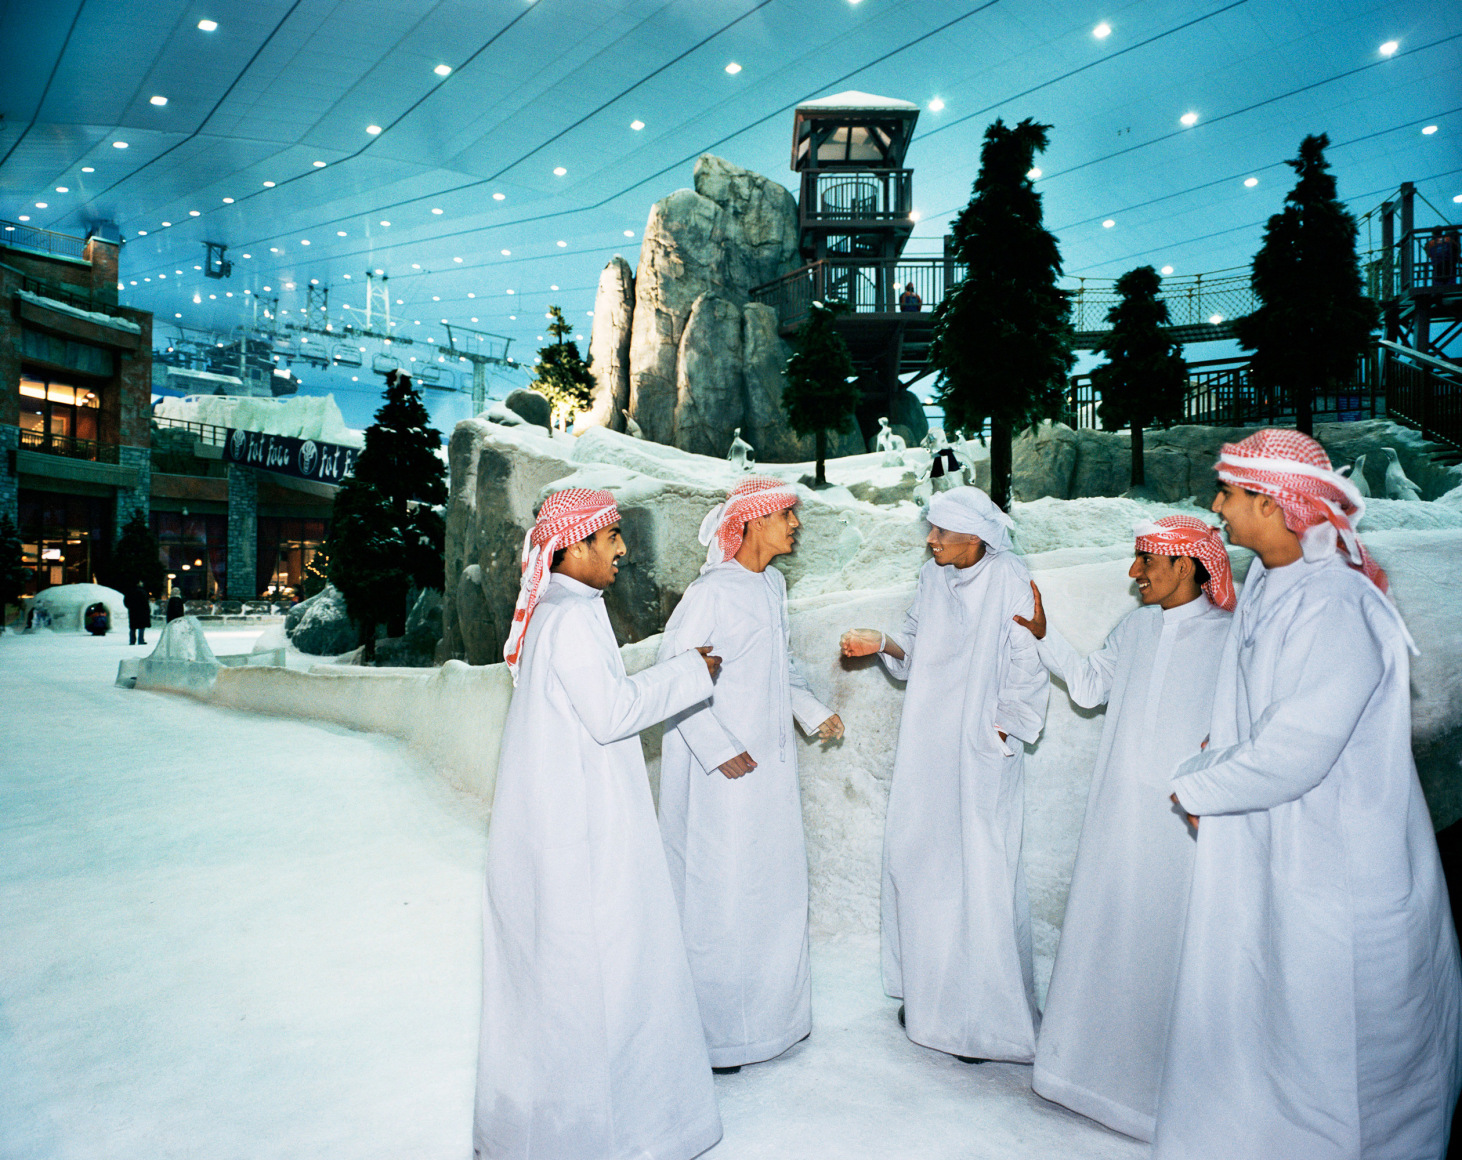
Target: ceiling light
{"points": [[437, 298], [636, 125], [248, 256], [470, 294], [269, 185], [1250, 182], [505, 254], [1189, 118], [42, 205], [1458, 198], [512, 317], [936, 105], [512, 291], [267, 288], [416, 265], [25, 217], [208, 25], [498, 196], [346, 276], [228, 201], [559, 171], [304, 241], [158, 101], [143, 234], [194, 213], [1167, 269], [318, 164], [119, 144], [629, 233], [384, 222], [166, 224], [1215, 319], [1034, 172], [340, 233], [443, 70], [197, 267], [1102, 30], [474, 319], [289, 285], [274, 249], [551, 288], [314, 281], [914, 215], [733, 68], [373, 130], [380, 271], [456, 259], [435, 210], [87, 169], [1108, 224], [1390, 47], [66, 189], [1427, 132], [197, 298]]}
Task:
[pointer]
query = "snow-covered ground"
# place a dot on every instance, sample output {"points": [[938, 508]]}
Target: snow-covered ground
{"points": [[231, 935]]}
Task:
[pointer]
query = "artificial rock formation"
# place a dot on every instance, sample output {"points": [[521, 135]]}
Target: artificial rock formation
{"points": [[678, 346]]}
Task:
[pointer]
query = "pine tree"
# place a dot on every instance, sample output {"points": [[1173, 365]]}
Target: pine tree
{"points": [[13, 572], [137, 557], [1314, 319], [1002, 335], [1144, 378], [821, 394], [385, 535], [561, 376], [317, 573]]}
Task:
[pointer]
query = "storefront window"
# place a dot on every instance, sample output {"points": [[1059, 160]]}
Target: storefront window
{"points": [[194, 552], [59, 417], [286, 546], [63, 538]]}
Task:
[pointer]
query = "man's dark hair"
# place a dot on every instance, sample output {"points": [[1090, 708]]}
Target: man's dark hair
{"points": [[1200, 573], [558, 552]]}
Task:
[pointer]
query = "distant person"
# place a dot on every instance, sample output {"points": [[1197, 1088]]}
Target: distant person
{"points": [[1317, 1009], [175, 607], [1441, 252], [909, 300], [139, 614], [591, 1042]]}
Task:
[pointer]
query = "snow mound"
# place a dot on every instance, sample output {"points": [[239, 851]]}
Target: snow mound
{"points": [[66, 605], [300, 417]]}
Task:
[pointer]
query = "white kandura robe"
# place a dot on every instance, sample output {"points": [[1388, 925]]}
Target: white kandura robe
{"points": [[735, 847], [956, 915], [1317, 1014], [1105, 1024], [591, 1044]]}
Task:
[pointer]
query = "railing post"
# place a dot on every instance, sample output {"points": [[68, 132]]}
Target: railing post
{"points": [[1408, 192]]}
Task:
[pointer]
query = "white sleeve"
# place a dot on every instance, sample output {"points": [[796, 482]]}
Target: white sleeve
{"points": [[1088, 679], [899, 668], [1020, 705], [807, 710], [691, 626]]}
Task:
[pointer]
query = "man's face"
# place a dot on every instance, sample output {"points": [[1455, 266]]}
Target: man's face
{"points": [[778, 531], [960, 549], [602, 553], [1158, 578], [1239, 510]]}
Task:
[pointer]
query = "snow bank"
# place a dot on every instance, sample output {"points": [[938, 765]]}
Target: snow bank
{"points": [[66, 605], [95, 317], [300, 417]]}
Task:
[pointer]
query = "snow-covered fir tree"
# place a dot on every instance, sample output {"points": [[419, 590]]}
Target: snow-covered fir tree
{"points": [[821, 392]]}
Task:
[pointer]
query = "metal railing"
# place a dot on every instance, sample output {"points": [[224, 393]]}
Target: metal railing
{"points": [[864, 285], [68, 446], [842, 195], [43, 241], [77, 296], [1210, 299], [209, 433], [1423, 392]]}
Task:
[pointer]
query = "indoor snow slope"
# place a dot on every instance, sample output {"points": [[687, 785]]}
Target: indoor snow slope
{"points": [[236, 936]]}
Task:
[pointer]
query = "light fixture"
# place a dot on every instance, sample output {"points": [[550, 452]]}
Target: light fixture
{"points": [[42, 205], [384, 222], [340, 233], [304, 241], [318, 164], [247, 256], [67, 189], [228, 201], [456, 259], [470, 294], [1427, 132], [194, 213], [443, 70], [505, 254], [1189, 119], [1250, 182], [1215, 319], [373, 130], [629, 233], [267, 289], [636, 125], [87, 169], [1034, 172], [165, 225], [119, 144], [914, 215], [1390, 47], [474, 318], [314, 281], [561, 244], [551, 288], [158, 101], [733, 68], [559, 171], [416, 265], [512, 291], [274, 249], [936, 105], [1108, 224], [1102, 30], [1457, 198], [498, 196], [208, 25], [436, 210], [25, 217], [269, 185], [143, 234], [1167, 269], [437, 298]]}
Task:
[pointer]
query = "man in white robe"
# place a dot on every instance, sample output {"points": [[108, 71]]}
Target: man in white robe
{"points": [[1317, 1013], [956, 915], [730, 802], [1105, 1024], [591, 1044]]}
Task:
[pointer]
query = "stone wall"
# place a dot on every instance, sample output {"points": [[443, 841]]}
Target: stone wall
{"points": [[243, 532]]}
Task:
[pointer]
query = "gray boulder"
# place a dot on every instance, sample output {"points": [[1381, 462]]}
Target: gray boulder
{"points": [[710, 393], [764, 357], [531, 406], [321, 626], [614, 305]]}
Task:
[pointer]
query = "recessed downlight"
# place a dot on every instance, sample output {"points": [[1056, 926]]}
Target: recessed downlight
{"points": [[1167, 269], [733, 68], [1102, 30], [1108, 224], [1250, 182], [559, 171], [936, 105], [318, 164], [158, 101], [443, 70], [208, 25], [1390, 47], [119, 144], [269, 185], [87, 169], [636, 125], [498, 196], [373, 130], [1190, 119]]}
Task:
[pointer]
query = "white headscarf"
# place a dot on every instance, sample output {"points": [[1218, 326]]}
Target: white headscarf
{"points": [[969, 510]]}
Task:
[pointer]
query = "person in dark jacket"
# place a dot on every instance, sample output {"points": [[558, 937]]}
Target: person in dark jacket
{"points": [[175, 607], [139, 614]]}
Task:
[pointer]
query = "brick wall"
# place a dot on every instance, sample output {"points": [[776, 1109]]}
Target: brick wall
{"points": [[243, 532], [134, 499], [9, 479]]}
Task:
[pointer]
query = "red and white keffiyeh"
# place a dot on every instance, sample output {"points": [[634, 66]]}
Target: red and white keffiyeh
{"points": [[1190, 536], [724, 527], [1320, 505], [565, 518]]}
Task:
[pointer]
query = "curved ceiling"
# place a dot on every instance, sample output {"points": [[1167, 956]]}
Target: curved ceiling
{"points": [[521, 143]]}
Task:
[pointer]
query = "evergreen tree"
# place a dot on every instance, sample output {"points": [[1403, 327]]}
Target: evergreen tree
{"points": [[1314, 319], [137, 557], [13, 572], [821, 394], [317, 573], [385, 535], [1144, 378], [561, 376], [1002, 335]]}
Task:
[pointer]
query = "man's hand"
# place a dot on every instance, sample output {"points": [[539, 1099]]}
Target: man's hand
{"points": [[1037, 623], [738, 766], [713, 664], [1192, 820], [831, 729], [861, 642]]}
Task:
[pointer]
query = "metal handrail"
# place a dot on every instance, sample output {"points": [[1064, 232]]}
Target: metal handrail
{"points": [[209, 433], [70, 296], [68, 446], [26, 237]]}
